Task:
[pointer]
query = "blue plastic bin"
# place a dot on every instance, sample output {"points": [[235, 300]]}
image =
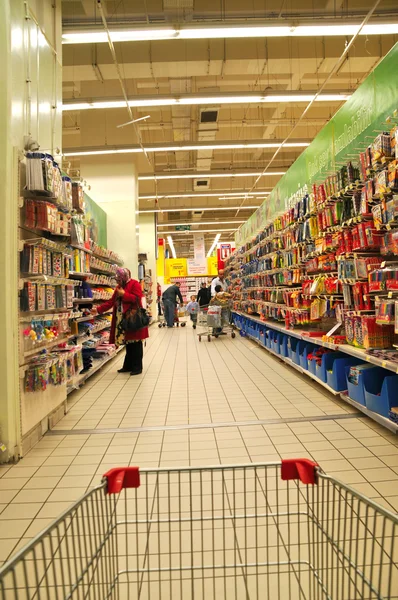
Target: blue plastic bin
{"points": [[357, 392], [327, 360], [304, 352], [292, 344], [381, 390], [295, 356], [262, 334], [283, 349], [335, 371]]}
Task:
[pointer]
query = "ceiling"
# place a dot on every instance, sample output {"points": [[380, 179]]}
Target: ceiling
{"points": [[192, 68]]}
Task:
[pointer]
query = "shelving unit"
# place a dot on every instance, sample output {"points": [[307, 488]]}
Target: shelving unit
{"points": [[326, 265], [62, 258], [190, 285]]}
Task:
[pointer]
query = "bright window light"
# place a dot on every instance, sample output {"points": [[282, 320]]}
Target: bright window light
{"points": [[214, 244], [171, 245], [209, 175], [233, 31], [192, 231], [215, 100], [185, 148]]}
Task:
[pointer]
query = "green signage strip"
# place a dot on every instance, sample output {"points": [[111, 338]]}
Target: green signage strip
{"points": [[348, 133], [183, 228], [98, 221]]}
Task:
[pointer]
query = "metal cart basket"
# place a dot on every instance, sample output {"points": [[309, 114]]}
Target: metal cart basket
{"points": [[224, 532], [213, 319]]}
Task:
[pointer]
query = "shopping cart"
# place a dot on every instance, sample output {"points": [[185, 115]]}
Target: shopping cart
{"points": [[213, 320], [258, 531], [179, 314]]}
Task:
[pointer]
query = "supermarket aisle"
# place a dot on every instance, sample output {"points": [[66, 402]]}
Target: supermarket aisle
{"points": [[224, 402]]}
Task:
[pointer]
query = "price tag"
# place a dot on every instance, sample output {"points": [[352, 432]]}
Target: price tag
{"points": [[383, 264], [384, 364], [389, 295], [368, 358]]}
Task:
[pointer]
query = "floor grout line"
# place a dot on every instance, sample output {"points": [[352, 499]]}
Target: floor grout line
{"points": [[338, 417]]}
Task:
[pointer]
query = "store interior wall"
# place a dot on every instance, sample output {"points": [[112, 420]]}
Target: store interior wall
{"points": [[30, 105], [114, 187], [147, 245]]}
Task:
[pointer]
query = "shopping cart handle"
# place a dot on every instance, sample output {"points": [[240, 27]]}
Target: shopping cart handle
{"points": [[299, 468], [121, 478]]}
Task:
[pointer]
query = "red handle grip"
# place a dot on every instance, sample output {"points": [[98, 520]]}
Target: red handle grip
{"points": [[299, 468], [122, 477]]}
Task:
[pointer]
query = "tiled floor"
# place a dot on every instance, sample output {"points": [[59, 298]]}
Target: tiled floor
{"points": [[225, 402]]}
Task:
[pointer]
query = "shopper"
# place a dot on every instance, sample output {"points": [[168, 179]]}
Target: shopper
{"points": [[220, 298], [218, 281], [192, 310], [128, 295], [170, 302], [204, 296]]}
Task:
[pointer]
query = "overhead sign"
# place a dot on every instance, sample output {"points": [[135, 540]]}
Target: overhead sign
{"points": [[183, 228], [351, 128], [196, 267]]}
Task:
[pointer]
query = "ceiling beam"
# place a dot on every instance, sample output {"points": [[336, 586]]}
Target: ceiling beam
{"points": [[185, 147], [202, 99]]}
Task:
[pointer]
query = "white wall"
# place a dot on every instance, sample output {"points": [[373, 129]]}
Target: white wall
{"points": [[30, 48], [114, 186], [147, 245]]}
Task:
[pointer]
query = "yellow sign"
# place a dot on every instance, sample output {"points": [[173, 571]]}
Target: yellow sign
{"points": [[160, 260], [176, 267], [212, 265]]}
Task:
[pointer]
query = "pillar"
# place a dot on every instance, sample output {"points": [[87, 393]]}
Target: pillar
{"points": [[147, 245], [114, 186]]}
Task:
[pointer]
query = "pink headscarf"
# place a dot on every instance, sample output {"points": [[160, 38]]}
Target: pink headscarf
{"points": [[123, 275]]}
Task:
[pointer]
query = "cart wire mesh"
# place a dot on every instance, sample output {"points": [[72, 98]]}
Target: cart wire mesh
{"points": [[225, 532]]}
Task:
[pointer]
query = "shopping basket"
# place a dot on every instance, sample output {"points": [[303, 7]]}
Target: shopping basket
{"points": [[258, 531]]}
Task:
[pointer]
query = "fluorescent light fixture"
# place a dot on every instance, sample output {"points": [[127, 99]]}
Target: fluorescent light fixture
{"points": [[205, 100], [202, 223], [133, 121], [193, 231], [226, 32], [214, 244], [171, 245], [192, 208], [185, 148], [225, 195], [210, 175]]}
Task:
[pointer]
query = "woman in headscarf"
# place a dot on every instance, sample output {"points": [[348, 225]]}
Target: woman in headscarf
{"points": [[128, 294]]}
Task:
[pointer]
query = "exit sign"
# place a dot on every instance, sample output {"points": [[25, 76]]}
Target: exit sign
{"points": [[183, 228]]}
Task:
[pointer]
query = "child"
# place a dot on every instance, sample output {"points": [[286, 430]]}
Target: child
{"points": [[222, 299], [192, 309]]}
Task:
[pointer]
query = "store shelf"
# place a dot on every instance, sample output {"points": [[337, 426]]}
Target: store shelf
{"points": [[83, 378], [79, 275], [340, 347], [45, 346], [44, 315], [107, 259], [372, 415], [346, 348], [49, 279], [78, 247]]}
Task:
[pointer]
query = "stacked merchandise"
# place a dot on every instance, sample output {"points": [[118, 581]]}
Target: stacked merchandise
{"points": [[325, 259], [57, 285], [189, 286]]}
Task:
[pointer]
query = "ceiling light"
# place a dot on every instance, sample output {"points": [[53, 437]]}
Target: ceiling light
{"points": [[171, 245], [184, 148], [214, 244], [225, 195], [202, 223], [192, 208], [210, 175], [70, 105], [225, 32], [193, 231]]}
